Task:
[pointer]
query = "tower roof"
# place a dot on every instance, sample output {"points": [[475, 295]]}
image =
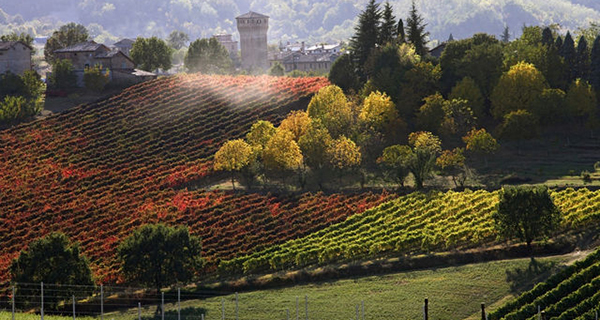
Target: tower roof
{"points": [[252, 15]]}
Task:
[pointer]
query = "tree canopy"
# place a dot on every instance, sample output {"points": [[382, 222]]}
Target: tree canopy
{"points": [[158, 255], [150, 54], [526, 213], [53, 260], [66, 36], [208, 56]]}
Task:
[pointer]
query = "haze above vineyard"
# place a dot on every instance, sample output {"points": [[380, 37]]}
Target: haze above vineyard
{"points": [[290, 20]]}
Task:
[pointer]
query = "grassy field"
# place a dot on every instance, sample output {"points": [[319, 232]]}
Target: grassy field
{"points": [[453, 293]]}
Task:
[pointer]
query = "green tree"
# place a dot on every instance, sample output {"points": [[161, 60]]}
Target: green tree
{"points": [[517, 89], [595, 65], [387, 31], [63, 77], [419, 82], [234, 156], [526, 213], [177, 39], [415, 33], [52, 260], [519, 125], [343, 74], [458, 117], [567, 51], [277, 70], [331, 107], [66, 36], [468, 90], [150, 54], [582, 61], [431, 114], [547, 37], [395, 162], [95, 78], [208, 56], [425, 148], [479, 57], [550, 107], [480, 143], [400, 32], [581, 101], [158, 255], [505, 37], [366, 36], [26, 38], [387, 66]]}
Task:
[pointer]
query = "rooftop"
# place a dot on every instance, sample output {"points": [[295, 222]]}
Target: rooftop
{"points": [[252, 15], [124, 42], [5, 45], [81, 47]]}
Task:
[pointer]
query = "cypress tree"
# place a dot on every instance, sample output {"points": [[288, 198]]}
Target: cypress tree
{"points": [[558, 43], [595, 65], [366, 36], [400, 32], [582, 59], [388, 31], [547, 37], [567, 51], [416, 34], [505, 35]]}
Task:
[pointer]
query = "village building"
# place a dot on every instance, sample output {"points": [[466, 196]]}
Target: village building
{"points": [[297, 56], [253, 29], [124, 45], [119, 65], [15, 57], [226, 40]]}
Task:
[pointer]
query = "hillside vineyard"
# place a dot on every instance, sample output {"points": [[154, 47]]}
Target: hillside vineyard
{"points": [[101, 170]]}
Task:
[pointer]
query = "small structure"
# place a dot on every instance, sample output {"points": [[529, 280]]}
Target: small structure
{"points": [[124, 45], [15, 56], [88, 54], [226, 40], [325, 48], [253, 29]]}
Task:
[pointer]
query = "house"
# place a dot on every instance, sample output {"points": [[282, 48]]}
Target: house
{"points": [[124, 45], [304, 62], [88, 54], [226, 40], [15, 56]]}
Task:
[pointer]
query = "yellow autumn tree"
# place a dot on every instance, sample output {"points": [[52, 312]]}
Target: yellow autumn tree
{"points": [[233, 156], [332, 108], [297, 122], [260, 133], [379, 112], [282, 153], [518, 89]]}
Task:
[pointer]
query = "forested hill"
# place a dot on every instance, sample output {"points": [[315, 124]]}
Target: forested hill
{"points": [[290, 19]]}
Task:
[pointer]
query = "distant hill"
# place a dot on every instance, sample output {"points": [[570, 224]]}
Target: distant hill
{"points": [[315, 20]]}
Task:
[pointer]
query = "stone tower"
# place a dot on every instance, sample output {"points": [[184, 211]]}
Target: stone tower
{"points": [[253, 29]]}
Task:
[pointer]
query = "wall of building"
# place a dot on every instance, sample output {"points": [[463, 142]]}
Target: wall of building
{"points": [[253, 42], [16, 59]]}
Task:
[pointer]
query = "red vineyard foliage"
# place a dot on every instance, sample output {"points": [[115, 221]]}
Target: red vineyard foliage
{"points": [[101, 170]]}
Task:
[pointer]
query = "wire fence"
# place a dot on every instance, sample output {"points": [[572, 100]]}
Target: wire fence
{"points": [[43, 301]]}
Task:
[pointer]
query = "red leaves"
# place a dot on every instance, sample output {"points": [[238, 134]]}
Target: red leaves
{"points": [[99, 171]]}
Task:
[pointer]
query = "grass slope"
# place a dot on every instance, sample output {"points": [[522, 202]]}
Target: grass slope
{"points": [[454, 293]]}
